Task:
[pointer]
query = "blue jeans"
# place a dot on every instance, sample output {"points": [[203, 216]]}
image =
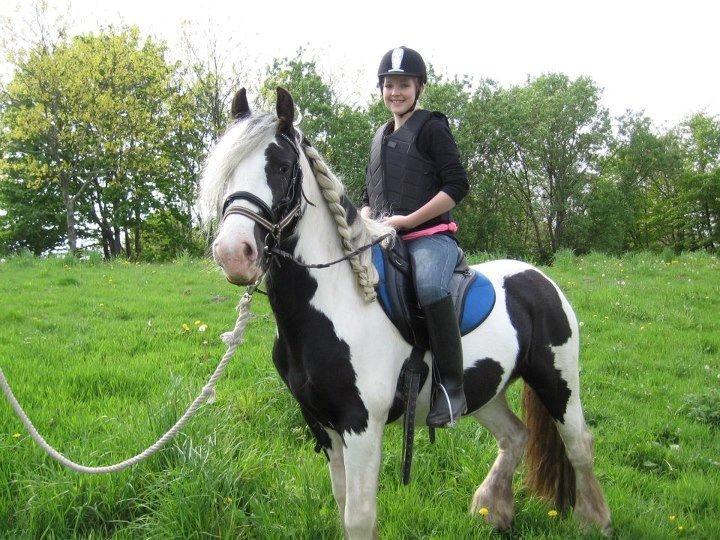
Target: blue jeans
{"points": [[433, 261]]}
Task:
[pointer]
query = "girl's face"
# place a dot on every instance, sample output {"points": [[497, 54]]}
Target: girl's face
{"points": [[399, 93]]}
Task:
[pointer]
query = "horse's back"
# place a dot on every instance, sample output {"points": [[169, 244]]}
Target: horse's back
{"points": [[523, 281]]}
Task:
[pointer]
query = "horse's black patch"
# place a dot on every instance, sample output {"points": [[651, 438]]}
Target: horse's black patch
{"points": [[536, 313], [481, 382], [312, 360], [281, 359], [350, 210], [279, 161]]}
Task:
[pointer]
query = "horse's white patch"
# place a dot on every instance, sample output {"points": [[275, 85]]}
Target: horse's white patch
{"points": [[248, 176]]}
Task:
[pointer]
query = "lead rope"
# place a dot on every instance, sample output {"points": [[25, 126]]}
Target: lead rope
{"points": [[232, 339]]}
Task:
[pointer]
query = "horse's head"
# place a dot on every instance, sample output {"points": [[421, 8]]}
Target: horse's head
{"points": [[252, 182]]}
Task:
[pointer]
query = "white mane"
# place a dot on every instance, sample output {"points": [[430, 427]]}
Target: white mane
{"points": [[239, 141]]}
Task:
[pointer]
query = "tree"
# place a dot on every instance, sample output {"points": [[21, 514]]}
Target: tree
{"points": [[542, 142], [647, 168], [89, 118], [700, 135]]}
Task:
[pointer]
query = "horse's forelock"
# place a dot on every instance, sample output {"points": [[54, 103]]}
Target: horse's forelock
{"points": [[241, 139]]}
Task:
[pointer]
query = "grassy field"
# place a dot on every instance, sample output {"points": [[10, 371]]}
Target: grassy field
{"points": [[104, 357]]}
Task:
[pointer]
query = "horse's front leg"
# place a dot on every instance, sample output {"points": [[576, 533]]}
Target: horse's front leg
{"points": [[362, 465], [336, 464]]}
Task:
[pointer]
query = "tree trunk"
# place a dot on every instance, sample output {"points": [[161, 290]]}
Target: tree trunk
{"points": [[128, 251], [116, 242], [559, 230], [105, 244], [137, 227], [69, 215]]}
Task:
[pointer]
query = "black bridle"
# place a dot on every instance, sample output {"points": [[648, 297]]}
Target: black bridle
{"points": [[281, 220]]}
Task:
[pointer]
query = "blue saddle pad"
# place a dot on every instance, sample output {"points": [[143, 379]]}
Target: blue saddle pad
{"points": [[476, 304], [472, 292]]}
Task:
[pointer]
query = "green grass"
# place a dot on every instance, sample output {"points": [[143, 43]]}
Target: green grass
{"points": [[98, 356]]}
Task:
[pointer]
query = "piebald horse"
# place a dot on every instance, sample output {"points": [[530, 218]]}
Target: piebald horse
{"points": [[339, 354]]}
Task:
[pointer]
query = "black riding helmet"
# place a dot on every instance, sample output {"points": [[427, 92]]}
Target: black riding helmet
{"points": [[403, 61]]}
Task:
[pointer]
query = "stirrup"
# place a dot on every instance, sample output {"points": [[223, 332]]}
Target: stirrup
{"points": [[452, 422]]}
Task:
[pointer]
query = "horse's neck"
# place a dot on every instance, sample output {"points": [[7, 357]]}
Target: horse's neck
{"points": [[292, 288]]}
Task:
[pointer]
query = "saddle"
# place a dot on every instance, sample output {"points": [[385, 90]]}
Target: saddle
{"points": [[473, 294], [473, 297]]}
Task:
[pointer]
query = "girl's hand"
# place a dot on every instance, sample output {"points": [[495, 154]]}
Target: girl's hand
{"points": [[398, 222]]}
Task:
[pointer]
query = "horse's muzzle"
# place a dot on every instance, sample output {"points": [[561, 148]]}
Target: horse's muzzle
{"points": [[239, 261]]}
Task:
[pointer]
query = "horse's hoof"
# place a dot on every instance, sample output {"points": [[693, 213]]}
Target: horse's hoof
{"points": [[500, 520]]}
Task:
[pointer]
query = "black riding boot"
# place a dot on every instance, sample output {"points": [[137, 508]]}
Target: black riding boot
{"points": [[447, 354]]}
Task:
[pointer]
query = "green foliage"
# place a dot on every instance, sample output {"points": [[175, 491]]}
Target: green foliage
{"points": [[91, 131], [166, 236], [538, 145], [102, 142]]}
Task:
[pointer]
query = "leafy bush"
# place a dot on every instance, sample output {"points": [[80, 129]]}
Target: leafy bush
{"points": [[165, 237]]}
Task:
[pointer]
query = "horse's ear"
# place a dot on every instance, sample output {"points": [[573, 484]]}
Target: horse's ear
{"points": [[285, 110], [240, 107]]}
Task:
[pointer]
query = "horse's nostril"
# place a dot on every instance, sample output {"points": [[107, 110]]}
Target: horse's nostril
{"points": [[248, 251]]}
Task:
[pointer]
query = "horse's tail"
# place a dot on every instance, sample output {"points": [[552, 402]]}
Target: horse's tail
{"points": [[548, 471]]}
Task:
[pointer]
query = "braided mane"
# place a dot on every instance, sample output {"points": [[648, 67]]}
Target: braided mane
{"points": [[362, 231]]}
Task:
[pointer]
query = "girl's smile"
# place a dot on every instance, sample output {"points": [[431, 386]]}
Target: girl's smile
{"points": [[399, 93]]}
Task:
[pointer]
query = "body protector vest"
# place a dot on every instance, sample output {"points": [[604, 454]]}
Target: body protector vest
{"points": [[400, 179]]}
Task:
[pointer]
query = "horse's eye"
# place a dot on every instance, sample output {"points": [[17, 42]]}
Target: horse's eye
{"points": [[284, 169]]}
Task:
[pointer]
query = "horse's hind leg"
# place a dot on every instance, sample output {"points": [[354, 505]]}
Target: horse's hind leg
{"points": [[495, 493], [590, 509], [544, 411]]}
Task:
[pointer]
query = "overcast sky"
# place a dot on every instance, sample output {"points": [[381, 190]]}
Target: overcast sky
{"points": [[658, 56]]}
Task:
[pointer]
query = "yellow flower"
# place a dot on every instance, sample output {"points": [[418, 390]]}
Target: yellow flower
{"points": [[185, 327], [202, 327], [483, 511], [553, 513], [672, 518], [16, 435], [228, 500], [197, 322], [681, 528]]}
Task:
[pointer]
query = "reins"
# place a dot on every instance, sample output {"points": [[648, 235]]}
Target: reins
{"points": [[289, 256]]}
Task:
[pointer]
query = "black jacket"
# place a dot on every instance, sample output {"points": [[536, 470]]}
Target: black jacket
{"points": [[432, 165]]}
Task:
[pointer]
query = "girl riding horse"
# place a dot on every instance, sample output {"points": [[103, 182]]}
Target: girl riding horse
{"points": [[415, 178]]}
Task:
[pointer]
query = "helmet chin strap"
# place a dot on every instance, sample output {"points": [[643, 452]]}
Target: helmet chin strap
{"points": [[411, 109]]}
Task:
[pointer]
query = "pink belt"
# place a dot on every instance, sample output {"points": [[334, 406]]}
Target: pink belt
{"points": [[452, 227]]}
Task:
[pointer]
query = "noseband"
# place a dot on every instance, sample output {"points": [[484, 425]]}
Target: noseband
{"points": [[275, 221]]}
